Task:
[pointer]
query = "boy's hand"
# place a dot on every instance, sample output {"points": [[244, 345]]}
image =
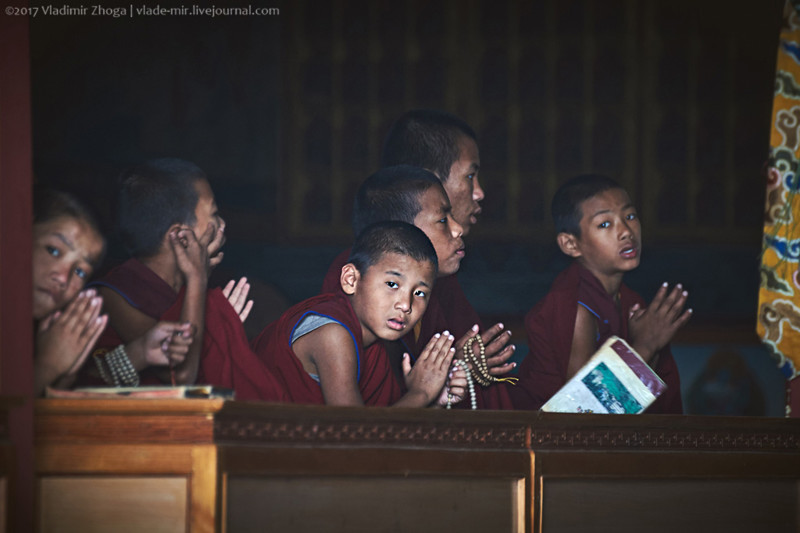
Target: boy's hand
{"points": [[651, 328], [455, 388], [191, 253], [167, 343], [426, 379], [215, 245], [236, 293], [497, 349], [65, 339]]}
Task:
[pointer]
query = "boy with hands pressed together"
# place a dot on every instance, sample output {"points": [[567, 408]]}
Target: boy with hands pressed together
{"points": [[598, 227], [327, 349], [67, 247], [415, 196]]}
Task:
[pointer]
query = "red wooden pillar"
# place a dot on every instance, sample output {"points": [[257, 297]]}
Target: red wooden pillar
{"points": [[16, 335], [793, 398]]}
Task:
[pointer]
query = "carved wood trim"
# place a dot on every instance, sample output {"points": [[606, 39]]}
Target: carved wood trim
{"points": [[662, 439], [320, 432]]}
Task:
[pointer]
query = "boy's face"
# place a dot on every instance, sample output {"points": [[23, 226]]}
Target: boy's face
{"points": [[436, 220], [611, 235], [64, 252], [462, 185], [391, 296], [205, 212]]}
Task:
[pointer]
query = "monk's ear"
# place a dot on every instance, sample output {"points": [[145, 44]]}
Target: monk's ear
{"points": [[349, 278], [174, 228], [569, 244], [165, 244]]}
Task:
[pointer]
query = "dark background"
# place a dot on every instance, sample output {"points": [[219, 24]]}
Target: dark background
{"points": [[286, 114]]}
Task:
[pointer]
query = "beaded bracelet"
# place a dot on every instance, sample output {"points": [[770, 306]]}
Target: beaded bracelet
{"points": [[97, 355], [121, 372], [124, 373]]}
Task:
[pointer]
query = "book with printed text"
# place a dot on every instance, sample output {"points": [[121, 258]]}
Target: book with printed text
{"points": [[615, 380]]}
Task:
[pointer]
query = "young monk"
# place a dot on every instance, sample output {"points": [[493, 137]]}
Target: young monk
{"points": [[414, 195], [67, 247], [598, 227], [169, 222], [327, 349]]}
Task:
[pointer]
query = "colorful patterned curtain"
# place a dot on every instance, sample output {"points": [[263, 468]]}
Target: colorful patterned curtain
{"points": [[779, 295]]}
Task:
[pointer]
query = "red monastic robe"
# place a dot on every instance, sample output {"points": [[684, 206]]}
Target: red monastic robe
{"points": [[448, 310], [226, 358], [376, 381], [550, 326]]}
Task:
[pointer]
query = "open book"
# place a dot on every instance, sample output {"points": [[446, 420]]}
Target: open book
{"points": [[615, 380], [160, 392]]}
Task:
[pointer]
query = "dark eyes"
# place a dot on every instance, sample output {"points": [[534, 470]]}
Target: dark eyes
{"points": [[607, 224], [419, 293], [80, 272]]}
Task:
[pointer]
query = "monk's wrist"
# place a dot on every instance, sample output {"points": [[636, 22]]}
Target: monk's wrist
{"points": [[198, 279], [417, 398], [137, 354], [645, 352]]}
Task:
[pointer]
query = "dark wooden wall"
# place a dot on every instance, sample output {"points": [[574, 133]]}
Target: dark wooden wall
{"points": [[287, 112], [672, 98]]}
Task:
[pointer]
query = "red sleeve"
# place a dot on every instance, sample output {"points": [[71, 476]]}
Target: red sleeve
{"points": [[670, 402], [549, 327], [227, 359]]}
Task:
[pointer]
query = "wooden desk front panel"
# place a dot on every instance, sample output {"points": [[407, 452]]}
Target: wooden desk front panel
{"points": [[104, 503], [354, 490], [354, 504], [666, 491], [88, 487]]}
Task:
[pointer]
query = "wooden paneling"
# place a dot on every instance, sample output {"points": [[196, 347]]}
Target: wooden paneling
{"points": [[665, 506], [89, 504], [671, 98], [376, 503]]}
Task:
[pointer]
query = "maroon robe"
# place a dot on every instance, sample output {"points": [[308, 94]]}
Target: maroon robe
{"points": [[226, 359], [550, 327], [376, 381], [448, 310]]}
